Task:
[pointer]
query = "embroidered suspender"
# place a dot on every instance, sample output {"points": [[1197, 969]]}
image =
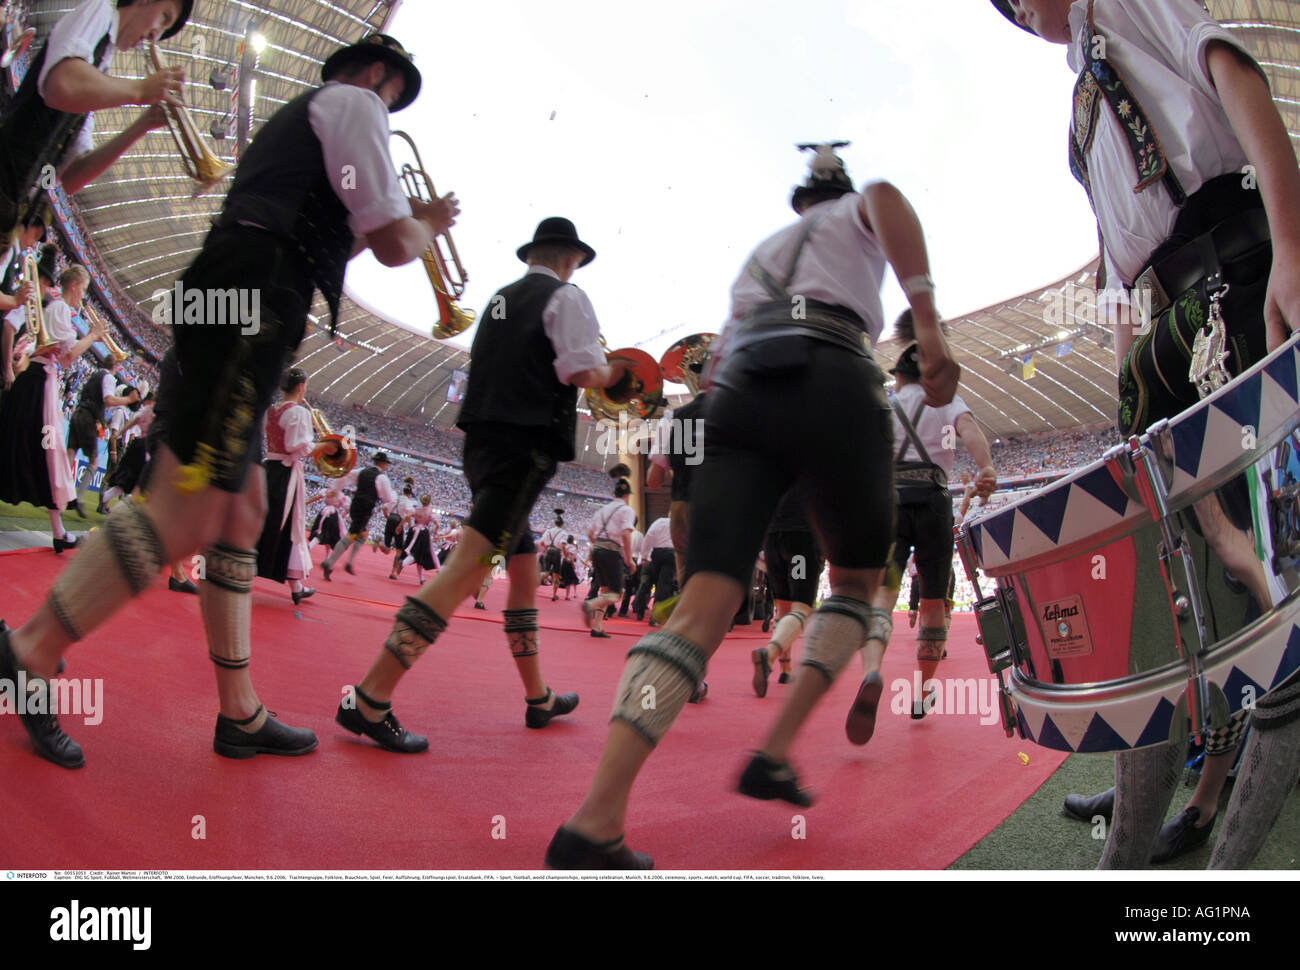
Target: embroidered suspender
{"points": [[1100, 81]]}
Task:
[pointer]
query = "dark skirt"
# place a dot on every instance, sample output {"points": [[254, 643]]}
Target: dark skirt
{"points": [[24, 474], [277, 540], [392, 532], [126, 473], [326, 529], [422, 550], [568, 575]]}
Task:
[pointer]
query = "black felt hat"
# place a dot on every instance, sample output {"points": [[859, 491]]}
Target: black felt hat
{"points": [[909, 365], [187, 7], [557, 229], [380, 456], [1005, 7], [377, 47], [827, 176]]}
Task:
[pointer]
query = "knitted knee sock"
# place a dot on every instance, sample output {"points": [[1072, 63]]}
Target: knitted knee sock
{"points": [[1145, 780]]}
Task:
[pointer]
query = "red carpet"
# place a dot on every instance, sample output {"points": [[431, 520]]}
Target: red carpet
{"points": [[917, 797]]}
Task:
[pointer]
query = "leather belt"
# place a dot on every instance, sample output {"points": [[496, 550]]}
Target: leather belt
{"points": [[1160, 284], [773, 320]]}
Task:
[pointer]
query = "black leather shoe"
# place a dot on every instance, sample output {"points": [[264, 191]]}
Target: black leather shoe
{"points": [[349, 570], [1085, 808], [569, 850], [326, 569], [784, 678], [925, 705], [762, 670], [298, 597], [48, 738], [600, 634], [1182, 835], [386, 733], [185, 586], [81, 509], [479, 606], [231, 741], [699, 693], [537, 717], [766, 780], [861, 722], [64, 543]]}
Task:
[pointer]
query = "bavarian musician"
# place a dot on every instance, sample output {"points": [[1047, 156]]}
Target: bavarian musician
{"points": [[287, 228], [98, 393], [783, 359], [1185, 216], [282, 552], [925, 446], [48, 123], [519, 417], [34, 463], [373, 489]]}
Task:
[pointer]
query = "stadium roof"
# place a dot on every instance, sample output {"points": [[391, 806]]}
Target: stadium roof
{"points": [[148, 228]]}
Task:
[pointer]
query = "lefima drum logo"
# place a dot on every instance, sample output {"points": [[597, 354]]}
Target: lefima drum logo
{"points": [[1065, 628]]}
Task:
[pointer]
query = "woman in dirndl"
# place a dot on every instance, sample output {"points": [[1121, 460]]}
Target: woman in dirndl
{"points": [[282, 552], [33, 449]]}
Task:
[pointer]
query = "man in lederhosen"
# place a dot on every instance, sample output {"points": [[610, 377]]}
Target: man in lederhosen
{"points": [[804, 311], [1192, 177], [316, 185], [97, 395], [373, 489], [925, 446], [519, 417]]}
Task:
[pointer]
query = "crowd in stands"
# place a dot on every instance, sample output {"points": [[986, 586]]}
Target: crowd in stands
{"points": [[1051, 452]]}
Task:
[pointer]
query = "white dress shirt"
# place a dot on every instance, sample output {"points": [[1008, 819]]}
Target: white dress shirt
{"points": [[614, 519], [352, 125], [841, 263], [77, 35], [658, 536], [570, 323], [933, 427], [1160, 48]]}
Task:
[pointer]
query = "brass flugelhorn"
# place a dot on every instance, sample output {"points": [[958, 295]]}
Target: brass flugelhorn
{"points": [[448, 287], [118, 353], [340, 461], [35, 315], [200, 163]]}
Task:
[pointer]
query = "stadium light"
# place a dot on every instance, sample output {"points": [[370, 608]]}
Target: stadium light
{"points": [[258, 42]]}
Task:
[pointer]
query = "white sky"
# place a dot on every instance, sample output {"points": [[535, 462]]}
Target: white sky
{"points": [[672, 144]]}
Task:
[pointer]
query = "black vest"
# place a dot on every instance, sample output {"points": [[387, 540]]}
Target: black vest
{"points": [[92, 395], [512, 368], [281, 184], [366, 492], [33, 135]]}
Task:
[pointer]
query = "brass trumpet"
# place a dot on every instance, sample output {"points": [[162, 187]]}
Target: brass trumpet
{"points": [[684, 361], [341, 460], [200, 164], [447, 288], [118, 353], [42, 341]]}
